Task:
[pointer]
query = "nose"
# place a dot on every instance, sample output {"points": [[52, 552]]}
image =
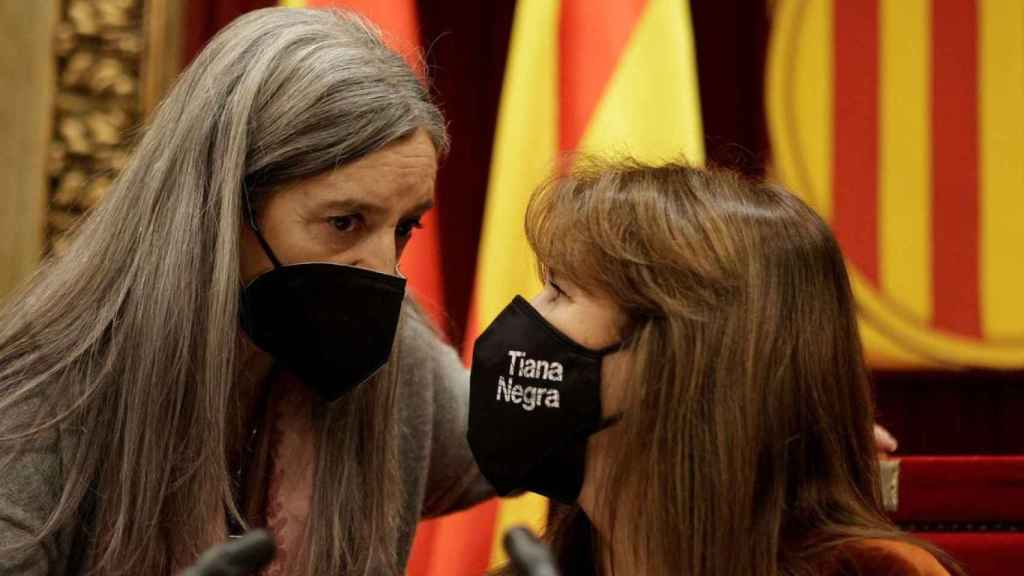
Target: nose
{"points": [[378, 253]]}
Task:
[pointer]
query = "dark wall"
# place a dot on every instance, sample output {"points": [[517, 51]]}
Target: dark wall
{"points": [[466, 45], [731, 39], [204, 18]]}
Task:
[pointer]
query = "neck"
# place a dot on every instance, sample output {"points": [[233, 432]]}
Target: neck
{"points": [[251, 383], [255, 365], [246, 455]]}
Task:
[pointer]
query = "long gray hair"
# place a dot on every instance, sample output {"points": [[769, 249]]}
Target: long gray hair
{"points": [[126, 349]]}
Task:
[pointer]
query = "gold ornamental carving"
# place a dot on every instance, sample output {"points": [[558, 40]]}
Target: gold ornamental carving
{"points": [[108, 76]]}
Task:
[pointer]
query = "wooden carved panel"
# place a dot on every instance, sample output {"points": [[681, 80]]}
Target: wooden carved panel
{"points": [[114, 59]]}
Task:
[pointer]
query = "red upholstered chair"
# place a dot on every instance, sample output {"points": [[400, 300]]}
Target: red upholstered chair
{"points": [[958, 478], [970, 506]]}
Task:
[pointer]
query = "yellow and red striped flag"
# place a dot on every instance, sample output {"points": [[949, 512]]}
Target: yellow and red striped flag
{"points": [[421, 261], [901, 122], [616, 77]]}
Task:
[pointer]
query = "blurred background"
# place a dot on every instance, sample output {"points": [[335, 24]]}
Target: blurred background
{"points": [[900, 121]]}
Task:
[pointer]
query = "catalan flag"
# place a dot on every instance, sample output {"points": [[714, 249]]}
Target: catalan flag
{"points": [[616, 77], [901, 122]]}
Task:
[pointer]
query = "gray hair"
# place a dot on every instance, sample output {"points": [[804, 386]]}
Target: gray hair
{"points": [[302, 92], [127, 346]]}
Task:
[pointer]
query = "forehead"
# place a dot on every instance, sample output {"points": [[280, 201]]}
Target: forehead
{"points": [[397, 177], [409, 161]]}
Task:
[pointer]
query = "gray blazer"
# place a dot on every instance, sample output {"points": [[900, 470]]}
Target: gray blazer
{"points": [[438, 470]]}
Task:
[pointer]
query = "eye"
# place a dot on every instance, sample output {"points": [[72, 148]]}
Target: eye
{"points": [[558, 289], [346, 223], [405, 229]]}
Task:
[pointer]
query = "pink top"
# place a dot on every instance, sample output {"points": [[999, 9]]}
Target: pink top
{"points": [[291, 468]]}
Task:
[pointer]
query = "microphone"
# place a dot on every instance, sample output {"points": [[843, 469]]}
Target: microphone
{"points": [[530, 556], [245, 555]]}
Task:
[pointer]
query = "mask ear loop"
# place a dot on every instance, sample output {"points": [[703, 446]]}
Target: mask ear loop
{"points": [[608, 422], [256, 228]]}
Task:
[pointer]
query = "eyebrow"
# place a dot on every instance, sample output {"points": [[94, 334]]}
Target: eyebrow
{"points": [[363, 207], [563, 281], [422, 207]]}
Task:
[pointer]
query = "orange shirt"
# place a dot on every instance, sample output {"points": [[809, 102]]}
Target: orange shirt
{"points": [[890, 558]]}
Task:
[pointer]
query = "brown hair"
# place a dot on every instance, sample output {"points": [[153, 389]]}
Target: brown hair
{"points": [[746, 443], [127, 347]]}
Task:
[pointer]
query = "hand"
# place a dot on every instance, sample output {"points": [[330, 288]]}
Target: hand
{"points": [[884, 441], [246, 555]]}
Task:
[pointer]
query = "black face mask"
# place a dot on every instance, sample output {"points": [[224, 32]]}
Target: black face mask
{"points": [[534, 399], [331, 325]]}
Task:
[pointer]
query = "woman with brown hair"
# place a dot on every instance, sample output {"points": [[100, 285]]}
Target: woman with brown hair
{"points": [[689, 384], [212, 353]]}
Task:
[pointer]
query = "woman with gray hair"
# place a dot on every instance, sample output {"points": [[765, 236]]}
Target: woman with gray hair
{"points": [[212, 353]]}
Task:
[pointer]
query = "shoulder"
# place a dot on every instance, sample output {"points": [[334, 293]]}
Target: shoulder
{"points": [[424, 354], [31, 486], [417, 339], [894, 557], [32, 460]]}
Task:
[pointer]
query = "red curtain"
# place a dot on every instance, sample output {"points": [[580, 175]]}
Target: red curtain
{"points": [[204, 18]]}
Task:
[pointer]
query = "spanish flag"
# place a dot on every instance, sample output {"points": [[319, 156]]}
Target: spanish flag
{"points": [[616, 77], [399, 24]]}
